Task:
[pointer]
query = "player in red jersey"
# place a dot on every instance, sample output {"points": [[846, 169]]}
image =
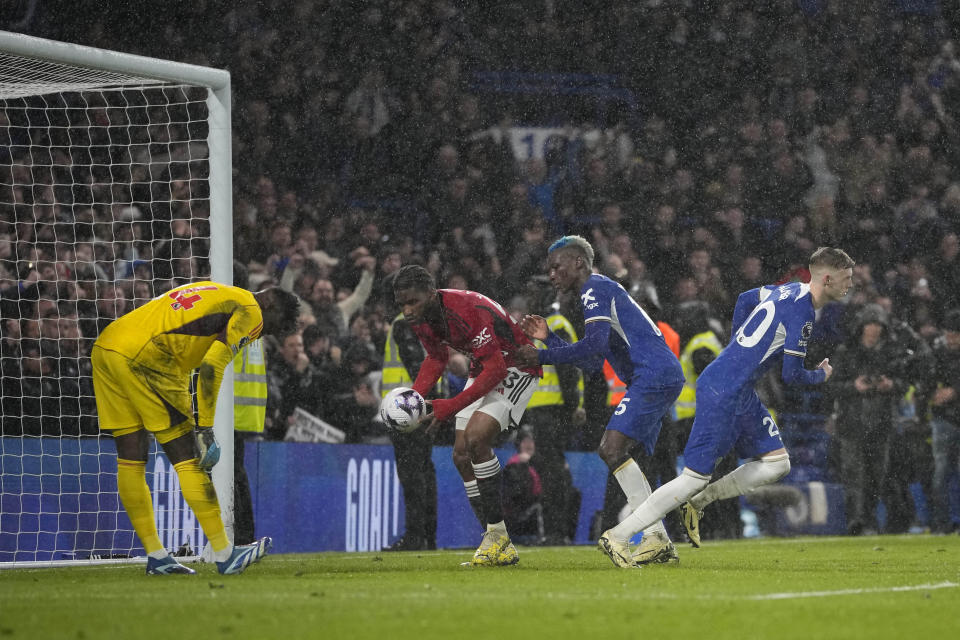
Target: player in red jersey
{"points": [[496, 394]]}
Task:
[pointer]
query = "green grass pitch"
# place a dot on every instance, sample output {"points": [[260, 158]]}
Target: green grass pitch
{"points": [[811, 588]]}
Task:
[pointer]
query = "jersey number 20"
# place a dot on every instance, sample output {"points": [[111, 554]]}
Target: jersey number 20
{"points": [[748, 340]]}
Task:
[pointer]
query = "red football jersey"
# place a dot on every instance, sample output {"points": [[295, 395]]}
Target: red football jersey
{"points": [[475, 326]]}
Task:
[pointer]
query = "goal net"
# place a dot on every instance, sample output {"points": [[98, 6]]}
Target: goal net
{"points": [[114, 187]]}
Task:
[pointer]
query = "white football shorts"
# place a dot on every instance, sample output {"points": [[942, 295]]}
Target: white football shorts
{"points": [[505, 403]]}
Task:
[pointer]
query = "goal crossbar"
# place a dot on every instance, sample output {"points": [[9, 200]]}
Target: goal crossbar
{"points": [[149, 70]]}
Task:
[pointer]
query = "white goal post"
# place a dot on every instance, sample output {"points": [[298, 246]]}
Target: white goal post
{"points": [[115, 184]]}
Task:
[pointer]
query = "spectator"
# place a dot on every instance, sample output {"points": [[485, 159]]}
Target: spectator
{"points": [[292, 382], [944, 270], [12, 376], [527, 257], [40, 406], [23, 287], [706, 275], [390, 262], [319, 347], [281, 249], [918, 222], [73, 372], [371, 100], [661, 250], [328, 310], [945, 421], [355, 396], [867, 387]]}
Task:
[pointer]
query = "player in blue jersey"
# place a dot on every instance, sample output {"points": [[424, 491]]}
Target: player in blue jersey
{"points": [[617, 329], [771, 327]]}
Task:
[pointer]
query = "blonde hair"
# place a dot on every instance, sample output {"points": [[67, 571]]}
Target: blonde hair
{"points": [[576, 243], [831, 258]]}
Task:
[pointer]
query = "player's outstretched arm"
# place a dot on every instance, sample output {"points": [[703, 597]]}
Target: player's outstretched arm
{"points": [[535, 327], [793, 371], [593, 345]]}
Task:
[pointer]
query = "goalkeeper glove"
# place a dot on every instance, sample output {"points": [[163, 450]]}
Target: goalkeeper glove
{"points": [[209, 448]]}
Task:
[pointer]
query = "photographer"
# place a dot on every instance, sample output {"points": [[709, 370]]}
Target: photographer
{"points": [[913, 463], [866, 388]]}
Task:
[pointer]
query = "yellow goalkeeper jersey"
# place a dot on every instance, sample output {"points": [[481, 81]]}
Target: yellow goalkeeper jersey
{"points": [[185, 328]]}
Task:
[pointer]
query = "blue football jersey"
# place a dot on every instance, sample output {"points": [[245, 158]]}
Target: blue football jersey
{"points": [[636, 346], [768, 323]]}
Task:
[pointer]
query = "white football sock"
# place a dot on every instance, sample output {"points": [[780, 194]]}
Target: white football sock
{"points": [[744, 478], [637, 489], [499, 527], [665, 499], [160, 554]]}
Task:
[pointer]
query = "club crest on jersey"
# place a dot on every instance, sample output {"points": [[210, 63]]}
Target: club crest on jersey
{"points": [[587, 298], [481, 338]]}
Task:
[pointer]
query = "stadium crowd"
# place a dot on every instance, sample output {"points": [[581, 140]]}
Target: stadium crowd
{"points": [[362, 143]]}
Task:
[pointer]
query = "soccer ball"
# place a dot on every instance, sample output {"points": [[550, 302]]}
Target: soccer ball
{"points": [[402, 409]]}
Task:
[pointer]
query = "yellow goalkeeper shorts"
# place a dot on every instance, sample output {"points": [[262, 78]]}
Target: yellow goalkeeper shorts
{"points": [[130, 397]]}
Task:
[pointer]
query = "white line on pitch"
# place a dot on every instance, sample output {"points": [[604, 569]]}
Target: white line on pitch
{"points": [[849, 592], [369, 555]]}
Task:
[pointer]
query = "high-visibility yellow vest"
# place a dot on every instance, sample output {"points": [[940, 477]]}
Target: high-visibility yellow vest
{"points": [[686, 404], [394, 374], [548, 393], [250, 388]]}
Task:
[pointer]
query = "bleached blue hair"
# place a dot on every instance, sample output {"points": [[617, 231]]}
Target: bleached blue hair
{"points": [[578, 244]]}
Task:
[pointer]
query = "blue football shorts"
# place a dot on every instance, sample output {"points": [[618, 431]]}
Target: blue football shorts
{"points": [[725, 421], [640, 413]]}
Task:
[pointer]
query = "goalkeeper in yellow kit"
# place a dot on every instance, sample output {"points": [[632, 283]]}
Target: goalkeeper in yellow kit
{"points": [[142, 363]]}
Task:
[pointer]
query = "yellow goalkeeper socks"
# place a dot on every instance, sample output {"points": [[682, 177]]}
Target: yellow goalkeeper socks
{"points": [[135, 496], [199, 493]]}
